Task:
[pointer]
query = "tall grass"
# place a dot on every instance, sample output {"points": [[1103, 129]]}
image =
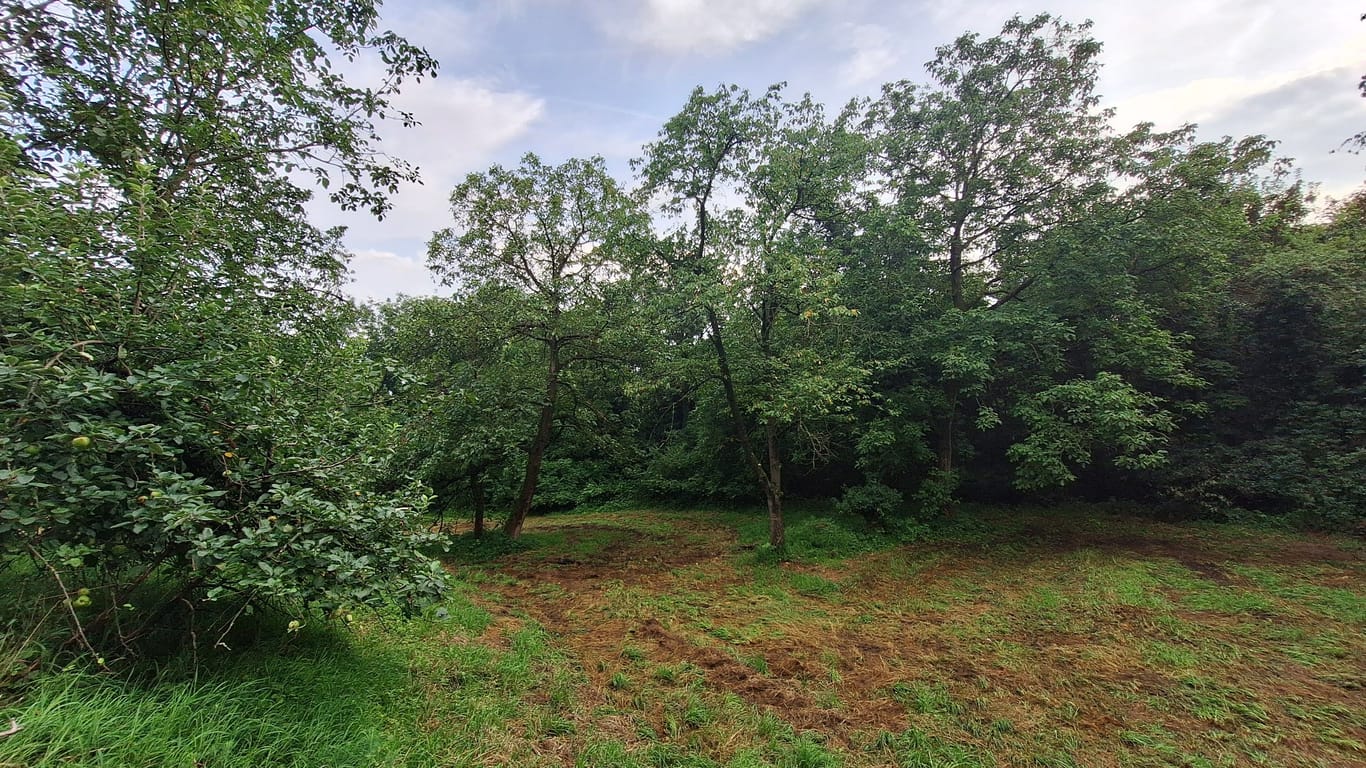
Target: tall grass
{"points": [[307, 706]]}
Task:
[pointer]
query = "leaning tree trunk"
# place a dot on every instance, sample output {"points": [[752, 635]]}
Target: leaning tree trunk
{"points": [[513, 526], [771, 480]]}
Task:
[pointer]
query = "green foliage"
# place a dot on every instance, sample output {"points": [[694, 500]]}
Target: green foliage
{"points": [[871, 501], [814, 535], [1066, 421], [935, 493], [1283, 431], [184, 401], [150, 432], [140, 86], [551, 237], [756, 280]]}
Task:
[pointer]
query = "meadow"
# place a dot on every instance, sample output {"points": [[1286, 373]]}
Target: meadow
{"points": [[1004, 637]]}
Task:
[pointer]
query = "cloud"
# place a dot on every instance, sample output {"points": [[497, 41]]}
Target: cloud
{"points": [[380, 275], [873, 55], [699, 26], [453, 30], [1311, 116], [1235, 67], [466, 125]]}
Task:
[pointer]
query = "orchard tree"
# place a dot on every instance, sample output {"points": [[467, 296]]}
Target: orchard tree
{"points": [[554, 233], [204, 94], [184, 400], [465, 393]]}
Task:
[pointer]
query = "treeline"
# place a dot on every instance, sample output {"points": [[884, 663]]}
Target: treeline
{"points": [[970, 287]]}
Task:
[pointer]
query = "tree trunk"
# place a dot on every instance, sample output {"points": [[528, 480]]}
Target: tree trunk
{"points": [[946, 426], [479, 503], [513, 526], [771, 480], [947, 422], [956, 268], [773, 490]]}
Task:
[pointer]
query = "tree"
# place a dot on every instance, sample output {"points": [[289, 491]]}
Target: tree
{"points": [[760, 273], [1006, 145], [465, 391], [184, 401], [552, 233], [207, 95], [1280, 430]]}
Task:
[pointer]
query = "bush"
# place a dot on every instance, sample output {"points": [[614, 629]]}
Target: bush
{"points": [[162, 420], [872, 501]]}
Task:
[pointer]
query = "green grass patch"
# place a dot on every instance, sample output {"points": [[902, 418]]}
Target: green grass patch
{"points": [[812, 585], [315, 706], [926, 698], [917, 749]]}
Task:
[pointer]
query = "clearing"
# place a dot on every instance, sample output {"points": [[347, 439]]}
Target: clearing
{"points": [[1018, 638], [1006, 637]]}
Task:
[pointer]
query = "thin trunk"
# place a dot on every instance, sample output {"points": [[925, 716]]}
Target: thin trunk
{"points": [[771, 480], [956, 267], [946, 423], [945, 442], [480, 502], [773, 490], [513, 526], [737, 418]]}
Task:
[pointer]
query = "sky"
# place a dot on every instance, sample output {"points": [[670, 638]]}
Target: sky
{"points": [[575, 78]]}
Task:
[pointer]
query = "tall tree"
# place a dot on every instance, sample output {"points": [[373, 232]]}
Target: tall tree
{"points": [[553, 233], [758, 183], [1006, 144]]}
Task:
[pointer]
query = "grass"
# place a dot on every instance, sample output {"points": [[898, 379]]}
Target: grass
{"points": [[668, 638], [288, 706]]}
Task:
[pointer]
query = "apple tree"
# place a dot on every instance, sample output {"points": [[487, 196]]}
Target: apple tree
{"points": [[188, 419]]}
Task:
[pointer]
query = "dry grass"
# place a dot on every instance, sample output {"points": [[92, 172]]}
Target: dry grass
{"points": [[1033, 640]]}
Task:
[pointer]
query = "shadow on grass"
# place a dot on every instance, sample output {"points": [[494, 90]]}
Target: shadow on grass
{"points": [[303, 700]]}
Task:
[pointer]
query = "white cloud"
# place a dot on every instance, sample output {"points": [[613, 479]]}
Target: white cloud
{"points": [[873, 58], [465, 126], [455, 31], [1238, 67], [1311, 116], [699, 26], [380, 275], [1194, 102]]}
